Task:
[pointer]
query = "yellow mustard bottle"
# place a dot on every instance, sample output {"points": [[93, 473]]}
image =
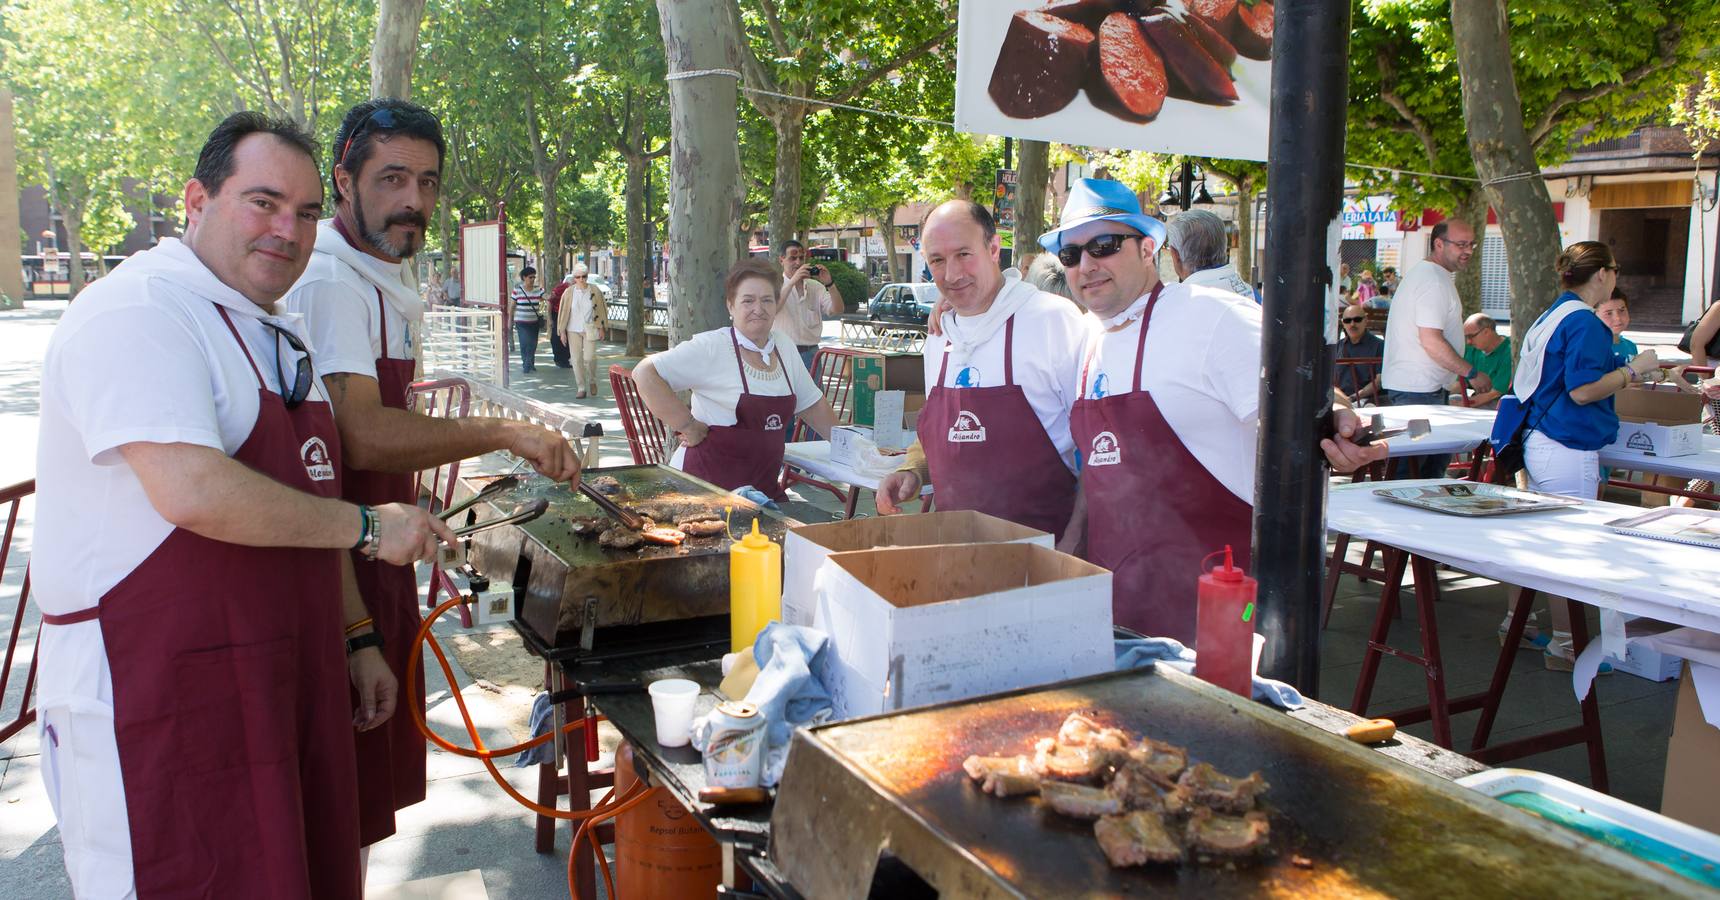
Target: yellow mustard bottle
{"points": [[755, 587]]}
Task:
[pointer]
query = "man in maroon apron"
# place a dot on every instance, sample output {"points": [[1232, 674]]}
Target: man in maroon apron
{"points": [[362, 315], [1165, 416], [994, 434], [196, 731]]}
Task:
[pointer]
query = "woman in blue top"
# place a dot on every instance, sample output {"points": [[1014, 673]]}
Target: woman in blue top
{"points": [[1568, 373]]}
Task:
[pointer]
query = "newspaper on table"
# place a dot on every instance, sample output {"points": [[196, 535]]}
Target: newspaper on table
{"points": [[1696, 527], [1465, 498]]}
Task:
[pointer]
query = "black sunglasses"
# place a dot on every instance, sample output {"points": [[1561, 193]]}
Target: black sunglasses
{"points": [[387, 119], [1100, 247], [302, 375], [1353, 320]]}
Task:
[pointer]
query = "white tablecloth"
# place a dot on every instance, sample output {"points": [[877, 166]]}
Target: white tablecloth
{"points": [[813, 458], [1456, 429], [1705, 464], [1566, 552]]}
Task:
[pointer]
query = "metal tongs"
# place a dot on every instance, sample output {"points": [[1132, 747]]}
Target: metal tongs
{"points": [[500, 486], [519, 516], [631, 520], [1376, 430]]}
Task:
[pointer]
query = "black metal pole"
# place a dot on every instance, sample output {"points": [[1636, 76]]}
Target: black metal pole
{"points": [[1185, 183], [1305, 171]]}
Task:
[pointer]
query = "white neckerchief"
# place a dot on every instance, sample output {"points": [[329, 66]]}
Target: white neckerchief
{"points": [[966, 334], [175, 263], [765, 351], [385, 276], [1527, 376], [1135, 311]]}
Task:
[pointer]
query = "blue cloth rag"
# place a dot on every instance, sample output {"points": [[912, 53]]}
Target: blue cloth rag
{"points": [[1135, 653], [789, 690], [749, 492], [542, 716]]}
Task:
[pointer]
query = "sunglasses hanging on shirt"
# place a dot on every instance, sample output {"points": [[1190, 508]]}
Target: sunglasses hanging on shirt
{"points": [[302, 375]]}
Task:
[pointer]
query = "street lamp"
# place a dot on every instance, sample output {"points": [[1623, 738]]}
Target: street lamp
{"points": [[1184, 192]]}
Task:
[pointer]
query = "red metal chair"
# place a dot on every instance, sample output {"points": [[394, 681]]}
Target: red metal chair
{"points": [[12, 497], [1358, 363], [647, 439]]}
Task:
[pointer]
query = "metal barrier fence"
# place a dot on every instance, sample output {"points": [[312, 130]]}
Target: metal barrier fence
{"points": [[11, 499], [493, 400], [882, 337], [466, 342]]}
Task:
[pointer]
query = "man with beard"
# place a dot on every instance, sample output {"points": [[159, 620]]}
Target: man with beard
{"points": [[362, 317]]}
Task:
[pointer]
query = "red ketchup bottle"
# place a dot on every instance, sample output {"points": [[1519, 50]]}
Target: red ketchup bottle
{"points": [[1224, 627]]}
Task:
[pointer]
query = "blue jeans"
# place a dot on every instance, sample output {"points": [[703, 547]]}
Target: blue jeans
{"points": [[1432, 465], [527, 332], [806, 354]]}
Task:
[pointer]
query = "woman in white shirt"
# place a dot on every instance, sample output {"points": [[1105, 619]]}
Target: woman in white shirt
{"points": [[746, 391]]}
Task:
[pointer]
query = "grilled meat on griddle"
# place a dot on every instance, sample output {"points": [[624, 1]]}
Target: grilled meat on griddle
{"points": [[1136, 788], [702, 527], [605, 484], [1227, 836], [1052, 759], [619, 538], [1078, 801], [1005, 776], [1080, 731], [1160, 762], [1207, 786], [1136, 839]]}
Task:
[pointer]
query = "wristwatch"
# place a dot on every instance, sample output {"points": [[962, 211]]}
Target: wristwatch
{"points": [[355, 644], [1473, 371]]}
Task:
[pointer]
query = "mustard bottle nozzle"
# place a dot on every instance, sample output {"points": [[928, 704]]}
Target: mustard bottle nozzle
{"points": [[755, 539]]}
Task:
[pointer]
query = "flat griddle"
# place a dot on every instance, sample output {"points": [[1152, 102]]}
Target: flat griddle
{"points": [[570, 587], [892, 786]]}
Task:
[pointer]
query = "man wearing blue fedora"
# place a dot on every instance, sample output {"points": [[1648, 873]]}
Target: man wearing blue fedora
{"points": [[1166, 415]]}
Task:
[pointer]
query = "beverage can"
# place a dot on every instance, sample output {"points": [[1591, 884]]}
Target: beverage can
{"points": [[734, 755]]}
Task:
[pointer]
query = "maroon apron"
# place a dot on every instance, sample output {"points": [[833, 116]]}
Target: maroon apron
{"points": [[988, 452], [1153, 511], [391, 756], [230, 694], [749, 451]]}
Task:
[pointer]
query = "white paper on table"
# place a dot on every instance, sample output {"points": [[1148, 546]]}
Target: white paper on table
{"points": [[1612, 632], [1700, 648]]}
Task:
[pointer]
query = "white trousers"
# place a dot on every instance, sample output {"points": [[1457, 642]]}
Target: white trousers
{"points": [[80, 769], [582, 350], [1557, 469]]}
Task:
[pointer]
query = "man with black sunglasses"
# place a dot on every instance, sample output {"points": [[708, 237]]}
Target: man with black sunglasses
{"points": [[1360, 382], [1166, 414], [197, 733], [363, 317]]}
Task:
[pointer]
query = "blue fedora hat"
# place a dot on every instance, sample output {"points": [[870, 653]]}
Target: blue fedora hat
{"points": [[1102, 200]]}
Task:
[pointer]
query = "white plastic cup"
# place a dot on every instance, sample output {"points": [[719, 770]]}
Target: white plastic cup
{"points": [[672, 701]]}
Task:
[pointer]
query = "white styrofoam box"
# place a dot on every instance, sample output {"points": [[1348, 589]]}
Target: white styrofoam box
{"points": [[806, 546], [1650, 439], [911, 626], [1644, 661]]}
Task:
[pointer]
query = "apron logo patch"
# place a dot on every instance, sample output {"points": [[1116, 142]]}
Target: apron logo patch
{"points": [[967, 429], [773, 422], [968, 377], [314, 454], [1106, 451]]}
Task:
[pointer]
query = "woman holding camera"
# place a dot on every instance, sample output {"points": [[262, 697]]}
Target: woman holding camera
{"points": [[1566, 379], [748, 385]]}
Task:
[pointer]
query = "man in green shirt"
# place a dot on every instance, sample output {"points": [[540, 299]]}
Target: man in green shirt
{"points": [[1490, 352]]}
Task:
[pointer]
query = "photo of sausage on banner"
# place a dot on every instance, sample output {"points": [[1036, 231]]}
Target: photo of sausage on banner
{"points": [[1184, 76]]}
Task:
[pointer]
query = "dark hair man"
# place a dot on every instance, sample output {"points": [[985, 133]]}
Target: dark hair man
{"points": [[364, 318], [196, 726], [1424, 336], [809, 293]]}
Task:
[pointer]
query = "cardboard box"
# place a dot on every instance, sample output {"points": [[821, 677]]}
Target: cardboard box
{"points": [[1692, 792], [1645, 662], [1668, 406], [919, 625], [806, 547], [1651, 439]]}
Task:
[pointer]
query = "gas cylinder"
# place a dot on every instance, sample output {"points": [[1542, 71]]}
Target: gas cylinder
{"points": [[755, 587], [1224, 627], [661, 852]]}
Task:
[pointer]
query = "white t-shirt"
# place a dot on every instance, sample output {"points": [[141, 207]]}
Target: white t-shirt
{"points": [[1049, 336], [1203, 370], [802, 317], [706, 366], [143, 356], [1427, 298], [344, 317]]}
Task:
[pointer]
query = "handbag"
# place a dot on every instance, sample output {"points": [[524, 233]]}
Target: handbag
{"points": [[1690, 332]]}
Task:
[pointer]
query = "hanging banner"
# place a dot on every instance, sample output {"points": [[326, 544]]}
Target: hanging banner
{"points": [[1193, 76], [1003, 199]]}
